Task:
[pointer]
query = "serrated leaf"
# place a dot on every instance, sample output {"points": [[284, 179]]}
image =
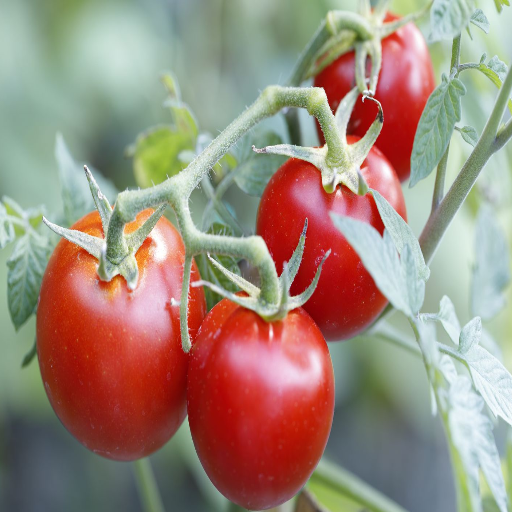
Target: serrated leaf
{"points": [[380, 258], [156, 154], [26, 267], [448, 318], [414, 285], [500, 3], [492, 380], [76, 195], [401, 233], [469, 134], [212, 274], [495, 70], [449, 17], [470, 335], [435, 128], [255, 170], [7, 234], [491, 272], [479, 19], [471, 433]]}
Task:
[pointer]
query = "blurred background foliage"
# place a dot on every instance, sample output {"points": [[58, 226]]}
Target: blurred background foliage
{"points": [[90, 69]]}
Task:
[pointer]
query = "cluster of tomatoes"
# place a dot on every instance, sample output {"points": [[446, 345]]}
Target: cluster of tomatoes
{"points": [[259, 395]]}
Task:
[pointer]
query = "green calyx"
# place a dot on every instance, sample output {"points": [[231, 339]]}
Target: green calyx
{"points": [[253, 301], [338, 161], [125, 263], [360, 32]]}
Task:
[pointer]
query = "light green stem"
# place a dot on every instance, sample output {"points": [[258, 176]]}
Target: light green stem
{"points": [[146, 485], [354, 488]]}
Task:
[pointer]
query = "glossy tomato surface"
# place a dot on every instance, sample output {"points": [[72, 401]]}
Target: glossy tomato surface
{"points": [[346, 299], [110, 358], [260, 403], [406, 81]]}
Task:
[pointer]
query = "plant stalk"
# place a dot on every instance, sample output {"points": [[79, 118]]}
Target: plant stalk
{"points": [[146, 485]]}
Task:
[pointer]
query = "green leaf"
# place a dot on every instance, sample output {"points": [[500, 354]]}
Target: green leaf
{"points": [[401, 233], [469, 134], [414, 285], [448, 318], [492, 380], [500, 3], [30, 355], [448, 18], [156, 154], [435, 128], [255, 170], [470, 335], [495, 70], [7, 233], [380, 258], [211, 273], [479, 19], [491, 272], [76, 194], [471, 433], [26, 267]]}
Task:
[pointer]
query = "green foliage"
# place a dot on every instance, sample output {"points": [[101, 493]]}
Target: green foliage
{"points": [[435, 128], [479, 19], [449, 17], [164, 150], [469, 134], [495, 70], [491, 271]]}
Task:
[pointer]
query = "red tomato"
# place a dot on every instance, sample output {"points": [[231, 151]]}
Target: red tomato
{"points": [[406, 81], [346, 299], [110, 358], [260, 403]]}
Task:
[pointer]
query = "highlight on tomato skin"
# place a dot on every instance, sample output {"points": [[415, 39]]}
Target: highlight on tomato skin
{"points": [[406, 81], [346, 300], [260, 401], [111, 359]]}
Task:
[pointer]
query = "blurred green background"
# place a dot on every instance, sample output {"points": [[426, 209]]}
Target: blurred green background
{"points": [[90, 69]]}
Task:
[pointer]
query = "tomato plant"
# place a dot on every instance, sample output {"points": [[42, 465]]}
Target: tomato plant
{"points": [[110, 358], [260, 401], [346, 299], [406, 81]]}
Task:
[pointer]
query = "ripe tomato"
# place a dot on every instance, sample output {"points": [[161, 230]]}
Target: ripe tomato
{"points": [[260, 403], [110, 358], [406, 81], [346, 299]]}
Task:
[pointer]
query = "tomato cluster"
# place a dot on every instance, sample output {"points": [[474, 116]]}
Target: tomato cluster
{"points": [[259, 395]]}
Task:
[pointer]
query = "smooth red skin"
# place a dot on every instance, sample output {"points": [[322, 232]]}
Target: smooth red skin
{"points": [[406, 81], [346, 300], [110, 358], [260, 403]]}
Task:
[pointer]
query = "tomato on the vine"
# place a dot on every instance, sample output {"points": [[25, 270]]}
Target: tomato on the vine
{"points": [[110, 358], [260, 403], [346, 299], [406, 80]]}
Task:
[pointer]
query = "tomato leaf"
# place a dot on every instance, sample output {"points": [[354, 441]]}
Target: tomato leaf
{"points": [[448, 318], [7, 233], [479, 19], [469, 134], [26, 267], [470, 335], [449, 17], [30, 355], [500, 3], [471, 433], [401, 233], [76, 195], [397, 279], [156, 154], [435, 128], [495, 70], [255, 170], [491, 271]]}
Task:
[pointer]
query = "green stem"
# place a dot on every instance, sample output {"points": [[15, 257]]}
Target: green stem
{"points": [[441, 218], [146, 485], [354, 488]]}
